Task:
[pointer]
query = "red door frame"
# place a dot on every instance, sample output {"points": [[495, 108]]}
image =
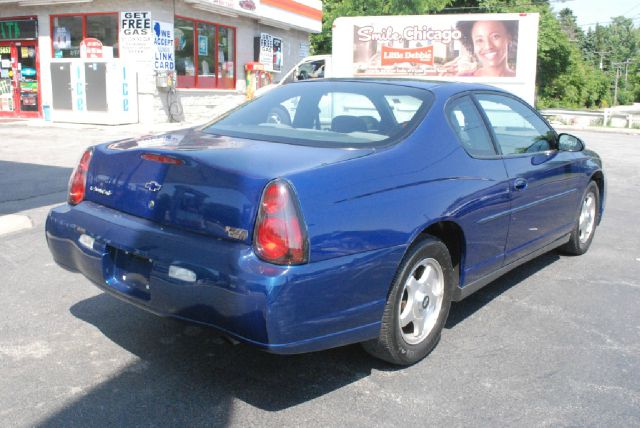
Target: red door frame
{"points": [[191, 82], [15, 45]]}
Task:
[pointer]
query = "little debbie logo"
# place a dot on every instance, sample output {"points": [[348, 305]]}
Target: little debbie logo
{"points": [[392, 56]]}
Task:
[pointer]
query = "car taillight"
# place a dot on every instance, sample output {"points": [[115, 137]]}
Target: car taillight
{"points": [[78, 180], [280, 236]]}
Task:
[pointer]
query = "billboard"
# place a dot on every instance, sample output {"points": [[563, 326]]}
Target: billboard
{"points": [[498, 49]]}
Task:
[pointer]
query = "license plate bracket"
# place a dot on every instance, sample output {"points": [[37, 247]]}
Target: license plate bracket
{"points": [[130, 273]]}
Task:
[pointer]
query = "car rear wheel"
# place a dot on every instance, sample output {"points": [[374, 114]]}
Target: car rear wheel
{"points": [[417, 305], [586, 223]]}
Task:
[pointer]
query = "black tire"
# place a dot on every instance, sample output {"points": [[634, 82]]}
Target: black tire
{"points": [[279, 115], [578, 243], [393, 344]]}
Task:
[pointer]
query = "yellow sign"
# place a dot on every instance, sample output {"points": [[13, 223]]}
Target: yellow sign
{"points": [[5, 50], [24, 52]]}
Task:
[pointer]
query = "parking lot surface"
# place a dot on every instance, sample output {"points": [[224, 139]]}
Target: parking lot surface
{"points": [[554, 343]]}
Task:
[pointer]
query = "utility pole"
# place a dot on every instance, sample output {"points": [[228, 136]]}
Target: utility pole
{"points": [[615, 93], [626, 71], [602, 54], [618, 66]]}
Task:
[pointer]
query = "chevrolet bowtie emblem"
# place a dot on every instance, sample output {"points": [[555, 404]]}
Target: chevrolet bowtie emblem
{"points": [[153, 186]]}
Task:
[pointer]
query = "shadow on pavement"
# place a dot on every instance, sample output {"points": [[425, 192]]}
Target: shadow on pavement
{"points": [[25, 186], [467, 307], [188, 374], [179, 373]]}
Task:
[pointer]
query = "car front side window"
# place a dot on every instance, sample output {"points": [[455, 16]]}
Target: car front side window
{"points": [[517, 128]]}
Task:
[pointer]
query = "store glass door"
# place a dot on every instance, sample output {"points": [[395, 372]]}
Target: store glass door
{"points": [[19, 87]]}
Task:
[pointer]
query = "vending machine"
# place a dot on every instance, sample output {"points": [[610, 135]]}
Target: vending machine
{"points": [[256, 77]]}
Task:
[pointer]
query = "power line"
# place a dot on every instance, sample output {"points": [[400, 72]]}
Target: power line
{"points": [[539, 3], [630, 10], [453, 8], [636, 18]]}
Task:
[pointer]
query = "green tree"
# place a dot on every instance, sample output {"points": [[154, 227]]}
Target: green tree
{"points": [[574, 69], [622, 37], [321, 43], [563, 77], [615, 49], [595, 48], [569, 25], [554, 47]]}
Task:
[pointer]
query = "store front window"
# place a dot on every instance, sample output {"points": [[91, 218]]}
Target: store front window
{"points": [[226, 57], [205, 54], [185, 58], [105, 29], [69, 30], [206, 47]]}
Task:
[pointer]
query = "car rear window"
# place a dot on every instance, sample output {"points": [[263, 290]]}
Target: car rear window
{"points": [[328, 114]]}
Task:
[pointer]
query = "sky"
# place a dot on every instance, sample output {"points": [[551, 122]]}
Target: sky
{"points": [[590, 12]]}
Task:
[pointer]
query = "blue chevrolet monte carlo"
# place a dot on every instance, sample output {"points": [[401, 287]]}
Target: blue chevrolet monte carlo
{"points": [[330, 212]]}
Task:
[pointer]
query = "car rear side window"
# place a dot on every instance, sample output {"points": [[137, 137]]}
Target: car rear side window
{"points": [[468, 125], [517, 128]]}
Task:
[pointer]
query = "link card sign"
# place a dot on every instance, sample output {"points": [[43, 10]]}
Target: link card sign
{"points": [[164, 50]]}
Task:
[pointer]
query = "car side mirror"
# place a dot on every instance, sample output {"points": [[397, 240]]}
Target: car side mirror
{"points": [[570, 143]]}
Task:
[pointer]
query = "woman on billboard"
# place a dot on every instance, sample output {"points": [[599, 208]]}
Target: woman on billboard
{"points": [[491, 47]]}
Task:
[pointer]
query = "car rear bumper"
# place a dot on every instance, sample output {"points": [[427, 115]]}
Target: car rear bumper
{"points": [[283, 309]]}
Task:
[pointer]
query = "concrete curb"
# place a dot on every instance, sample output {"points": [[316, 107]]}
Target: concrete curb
{"points": [[14, 223], [153, 128]]}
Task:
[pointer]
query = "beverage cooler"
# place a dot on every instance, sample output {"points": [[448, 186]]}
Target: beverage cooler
{"points": [[19, 79], [101, 91]]}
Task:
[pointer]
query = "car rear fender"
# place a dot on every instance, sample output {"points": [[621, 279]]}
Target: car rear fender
{"points": [[452, 235]]}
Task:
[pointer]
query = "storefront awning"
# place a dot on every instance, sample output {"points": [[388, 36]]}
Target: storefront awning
{"points": [[29, 3], [304, 15]]}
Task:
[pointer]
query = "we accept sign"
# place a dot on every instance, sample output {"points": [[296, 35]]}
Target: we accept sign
{"points": [[164, 53]]}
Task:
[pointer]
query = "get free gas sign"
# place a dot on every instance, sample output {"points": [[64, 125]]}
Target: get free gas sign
{"points": [[135, 23], [136, 36]]}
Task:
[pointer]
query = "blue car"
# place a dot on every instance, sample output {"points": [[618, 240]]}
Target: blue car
{"points": [[330, 212]]}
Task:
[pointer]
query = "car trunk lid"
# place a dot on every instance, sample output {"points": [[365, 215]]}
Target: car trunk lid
{"points": [[196, 181]]}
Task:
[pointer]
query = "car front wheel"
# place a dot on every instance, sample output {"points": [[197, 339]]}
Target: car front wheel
{"points": [[586, 223], [417, 305]]}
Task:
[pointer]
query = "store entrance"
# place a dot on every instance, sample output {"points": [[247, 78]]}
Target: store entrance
{"points": [[19, 88]]}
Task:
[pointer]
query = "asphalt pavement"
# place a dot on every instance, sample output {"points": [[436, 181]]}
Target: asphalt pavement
{"points": [[554, 343]]}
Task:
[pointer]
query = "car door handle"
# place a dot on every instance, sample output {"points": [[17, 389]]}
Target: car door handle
{"points": [[520, 184]]}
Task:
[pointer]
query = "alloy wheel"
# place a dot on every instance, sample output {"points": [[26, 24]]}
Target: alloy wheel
{"points": [[421, 301]]}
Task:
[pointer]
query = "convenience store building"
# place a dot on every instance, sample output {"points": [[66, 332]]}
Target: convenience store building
{"points": [[97, 61]]}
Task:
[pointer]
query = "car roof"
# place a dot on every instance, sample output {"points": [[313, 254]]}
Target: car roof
{"points": [[437, 86]]}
